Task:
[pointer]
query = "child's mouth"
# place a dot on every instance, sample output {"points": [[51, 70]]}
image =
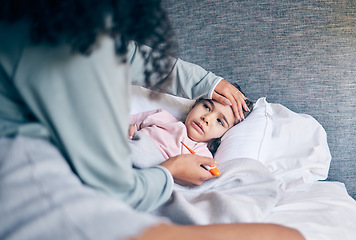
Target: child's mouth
{"points": [[197, 126]]}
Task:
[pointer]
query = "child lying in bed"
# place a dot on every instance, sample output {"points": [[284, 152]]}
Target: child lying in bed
{"points": [[205, 124]]}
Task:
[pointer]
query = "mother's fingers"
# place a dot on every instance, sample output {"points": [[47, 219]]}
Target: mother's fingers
{"points": [[225, 93], [221, 99], [240, 104], [186, 168]]}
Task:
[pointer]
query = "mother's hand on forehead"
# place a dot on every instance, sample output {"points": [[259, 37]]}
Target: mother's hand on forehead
{"points": [[225, 93]]}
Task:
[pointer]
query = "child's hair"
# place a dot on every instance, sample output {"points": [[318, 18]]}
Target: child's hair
{"points": [[213, 144]]}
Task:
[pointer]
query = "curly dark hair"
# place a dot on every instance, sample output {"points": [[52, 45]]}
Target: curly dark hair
{"points": [[80, 22]]}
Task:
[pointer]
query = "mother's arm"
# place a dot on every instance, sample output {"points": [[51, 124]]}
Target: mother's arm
{"points": [[190, 81], [241, 231]]}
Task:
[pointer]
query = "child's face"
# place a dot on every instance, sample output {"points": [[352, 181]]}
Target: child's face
{"points": [[209, 119]]}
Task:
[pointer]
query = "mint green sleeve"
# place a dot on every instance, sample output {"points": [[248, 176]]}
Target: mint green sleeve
{"points": [[188, 80], [84, 101]]}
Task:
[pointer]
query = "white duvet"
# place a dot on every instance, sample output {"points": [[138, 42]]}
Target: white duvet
{"points": [[293, 147]]}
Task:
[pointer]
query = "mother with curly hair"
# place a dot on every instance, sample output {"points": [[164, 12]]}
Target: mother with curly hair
{"points": [[66, 67]]}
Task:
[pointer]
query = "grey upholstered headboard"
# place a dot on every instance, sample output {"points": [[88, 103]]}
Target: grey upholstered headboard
{"points": [[301, 54]]}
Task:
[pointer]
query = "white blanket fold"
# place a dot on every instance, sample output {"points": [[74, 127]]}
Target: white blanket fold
{"points": [[245, 192]]}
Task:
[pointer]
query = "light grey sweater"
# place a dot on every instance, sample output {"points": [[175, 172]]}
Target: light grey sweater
{"points": [[82, 105]]}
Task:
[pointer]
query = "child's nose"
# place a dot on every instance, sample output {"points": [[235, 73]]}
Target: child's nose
{"points": [[205, 118]]}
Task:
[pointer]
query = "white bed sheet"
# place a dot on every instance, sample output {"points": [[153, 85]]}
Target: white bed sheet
{"points": [[324, 211], [299, 158]]}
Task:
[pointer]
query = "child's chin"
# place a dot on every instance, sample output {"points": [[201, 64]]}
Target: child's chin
{"points": [[194, 138]]}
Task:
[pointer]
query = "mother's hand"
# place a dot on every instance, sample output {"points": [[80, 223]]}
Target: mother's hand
{"points": [[225, 93], [186, 169]]}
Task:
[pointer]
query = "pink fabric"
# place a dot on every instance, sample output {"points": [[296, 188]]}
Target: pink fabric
{"points": [[168, 133]]}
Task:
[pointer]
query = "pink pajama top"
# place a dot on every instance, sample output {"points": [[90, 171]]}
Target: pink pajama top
{"points": [[168, 133]]}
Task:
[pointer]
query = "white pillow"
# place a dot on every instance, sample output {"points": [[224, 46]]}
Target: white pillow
{"points": [[299, 152], [250, 138]]}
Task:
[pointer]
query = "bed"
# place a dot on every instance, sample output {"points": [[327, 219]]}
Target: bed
{"points": [[289, 154], [299, 55]]}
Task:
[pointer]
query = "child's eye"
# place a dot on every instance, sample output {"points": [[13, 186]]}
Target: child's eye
{"points": [[220, 122], [207, 107]]}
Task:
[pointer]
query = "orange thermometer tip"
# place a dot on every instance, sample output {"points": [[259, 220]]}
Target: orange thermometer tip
{"points": [[190, 150]]}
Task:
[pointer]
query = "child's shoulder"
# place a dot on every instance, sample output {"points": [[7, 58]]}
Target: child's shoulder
{"points": [[162, 115], [164, 112]]}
